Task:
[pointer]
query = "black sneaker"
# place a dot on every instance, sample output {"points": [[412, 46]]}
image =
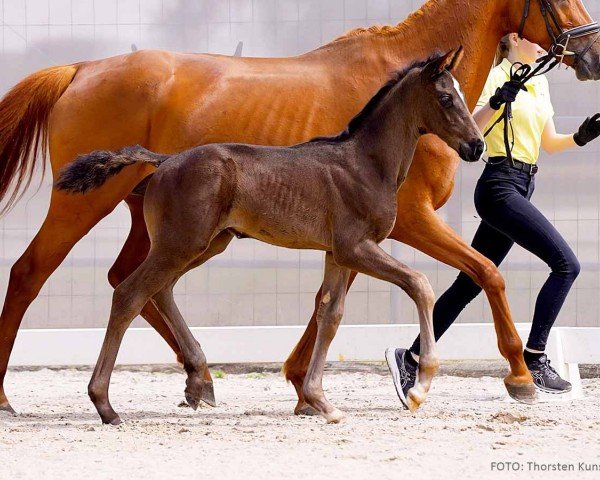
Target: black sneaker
{"points": [[403, 374], [546, 378]]}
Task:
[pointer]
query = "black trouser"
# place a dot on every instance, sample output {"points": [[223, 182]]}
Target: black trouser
{"points": [[502, 201]]}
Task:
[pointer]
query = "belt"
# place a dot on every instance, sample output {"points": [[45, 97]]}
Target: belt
{"points": [[529, 168]]}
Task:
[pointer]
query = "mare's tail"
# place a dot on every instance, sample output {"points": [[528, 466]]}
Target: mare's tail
{"points": [[24, 115], [91, 171]]}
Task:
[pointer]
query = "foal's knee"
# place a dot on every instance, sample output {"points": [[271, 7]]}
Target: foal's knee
{"points": [[420, 290]]}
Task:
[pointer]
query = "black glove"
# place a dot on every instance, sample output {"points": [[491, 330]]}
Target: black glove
{"points": [[589, 130], [505, 94]]}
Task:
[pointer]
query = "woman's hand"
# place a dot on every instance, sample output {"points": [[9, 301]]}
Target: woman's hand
{"points": [[507, 93], [589, 130]]}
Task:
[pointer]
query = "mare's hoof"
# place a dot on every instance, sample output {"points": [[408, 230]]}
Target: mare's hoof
{"points": [[335, 416], [7, 409], [208, 394], [522, 392], [305, 409]]}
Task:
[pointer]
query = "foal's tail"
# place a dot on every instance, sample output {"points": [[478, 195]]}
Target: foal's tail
{"points": [[91, 171]]}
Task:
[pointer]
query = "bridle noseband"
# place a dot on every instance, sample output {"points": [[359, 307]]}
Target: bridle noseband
{"points": [[560, 37]]}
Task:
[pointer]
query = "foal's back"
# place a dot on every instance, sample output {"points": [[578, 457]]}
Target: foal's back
{"points": [[286, 196]]}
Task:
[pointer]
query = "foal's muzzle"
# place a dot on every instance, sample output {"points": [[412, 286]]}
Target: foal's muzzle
{"points": [[472, 151]]}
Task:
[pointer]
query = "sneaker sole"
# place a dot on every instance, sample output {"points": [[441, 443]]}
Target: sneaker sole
{"points": [[390, 358], [553, 392]]}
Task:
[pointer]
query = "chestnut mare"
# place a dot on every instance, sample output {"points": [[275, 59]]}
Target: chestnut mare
{"points": [[168, 102], [336, 194]]}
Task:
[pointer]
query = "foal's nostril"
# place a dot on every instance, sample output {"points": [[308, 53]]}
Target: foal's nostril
{"points": [[477, 147]]}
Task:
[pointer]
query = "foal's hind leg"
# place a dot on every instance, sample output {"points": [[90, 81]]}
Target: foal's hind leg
{"points": [[369, 258], [192, 357], [194, 360], [133, 253], [329, 315], [156, 272]]}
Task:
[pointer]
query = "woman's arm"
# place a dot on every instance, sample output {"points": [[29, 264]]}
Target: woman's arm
{"points": [[482, 115], [553, 142]]}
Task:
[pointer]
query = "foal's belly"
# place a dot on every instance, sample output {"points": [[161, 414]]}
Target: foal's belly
{"points": [[291, 232]]}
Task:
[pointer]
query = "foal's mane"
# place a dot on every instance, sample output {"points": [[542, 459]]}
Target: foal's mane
{"points": [[376, 100]]}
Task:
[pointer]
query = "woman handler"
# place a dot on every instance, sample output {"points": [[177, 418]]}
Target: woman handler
{"points": [[502, 200]]}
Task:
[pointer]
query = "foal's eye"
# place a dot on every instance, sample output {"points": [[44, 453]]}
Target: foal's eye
{"points": [[446, 101]]}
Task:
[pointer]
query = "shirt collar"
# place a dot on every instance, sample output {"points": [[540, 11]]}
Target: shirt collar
{"points": [[505, 65]]}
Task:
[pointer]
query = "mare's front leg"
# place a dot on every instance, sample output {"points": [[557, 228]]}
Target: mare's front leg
{"points": [[368, 257], [421, 227], [329, 316]]}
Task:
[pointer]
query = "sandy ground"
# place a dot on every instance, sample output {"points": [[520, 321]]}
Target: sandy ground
{"points": [[464, 426]]}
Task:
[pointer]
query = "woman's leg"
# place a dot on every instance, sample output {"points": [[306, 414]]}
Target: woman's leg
{"points": [[489, 242], [528, 227]]}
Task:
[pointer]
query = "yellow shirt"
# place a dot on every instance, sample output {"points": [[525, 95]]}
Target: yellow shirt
{"points": [[531, 110]]}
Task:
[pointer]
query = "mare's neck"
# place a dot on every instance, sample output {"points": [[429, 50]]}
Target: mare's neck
{"points": [[477, 25]]}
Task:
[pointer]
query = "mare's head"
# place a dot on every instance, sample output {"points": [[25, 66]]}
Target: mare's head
{"points": [[540, 26], [440, 108]]}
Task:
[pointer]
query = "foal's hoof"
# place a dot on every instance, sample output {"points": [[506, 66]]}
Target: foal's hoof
{"points": [[6, 409], [208, 394], [414, 400], [522, 392], [335, 416], [192, 401], [305, 409], [112, 421]]}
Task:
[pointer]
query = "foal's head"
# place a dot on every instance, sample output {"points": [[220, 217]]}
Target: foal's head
{"points": [[440, 107]]}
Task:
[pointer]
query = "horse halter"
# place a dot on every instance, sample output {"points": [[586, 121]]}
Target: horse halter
{"points": [[560, 37]]}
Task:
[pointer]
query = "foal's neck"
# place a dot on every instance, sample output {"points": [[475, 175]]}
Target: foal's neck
{"points": [[387, 138]]}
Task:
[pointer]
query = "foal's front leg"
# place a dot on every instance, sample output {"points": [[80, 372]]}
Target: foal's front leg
{"points": [[329, 315], [369, 258]]}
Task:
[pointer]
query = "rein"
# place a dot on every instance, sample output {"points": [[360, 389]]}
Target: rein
{"points": [[559, 36], [520, 73], [556, 54]]}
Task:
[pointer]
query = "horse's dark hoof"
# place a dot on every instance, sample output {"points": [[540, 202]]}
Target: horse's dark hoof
{"points": [[113, 421], [7, 409], [522, 392], [191, 401], [305, 410], [208, 394]]}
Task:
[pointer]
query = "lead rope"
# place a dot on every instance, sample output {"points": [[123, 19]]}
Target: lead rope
{"points": [[521, 73]]}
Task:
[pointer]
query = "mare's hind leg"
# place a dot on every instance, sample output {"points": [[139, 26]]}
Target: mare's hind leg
{"points": [[329, 316], [69, 218], [369, 258]]}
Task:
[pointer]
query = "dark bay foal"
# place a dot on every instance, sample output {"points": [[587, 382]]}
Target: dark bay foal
{"points": [[334, 194]]}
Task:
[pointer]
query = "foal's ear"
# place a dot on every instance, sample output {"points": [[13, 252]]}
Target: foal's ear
{"points": [[448, 61]]}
